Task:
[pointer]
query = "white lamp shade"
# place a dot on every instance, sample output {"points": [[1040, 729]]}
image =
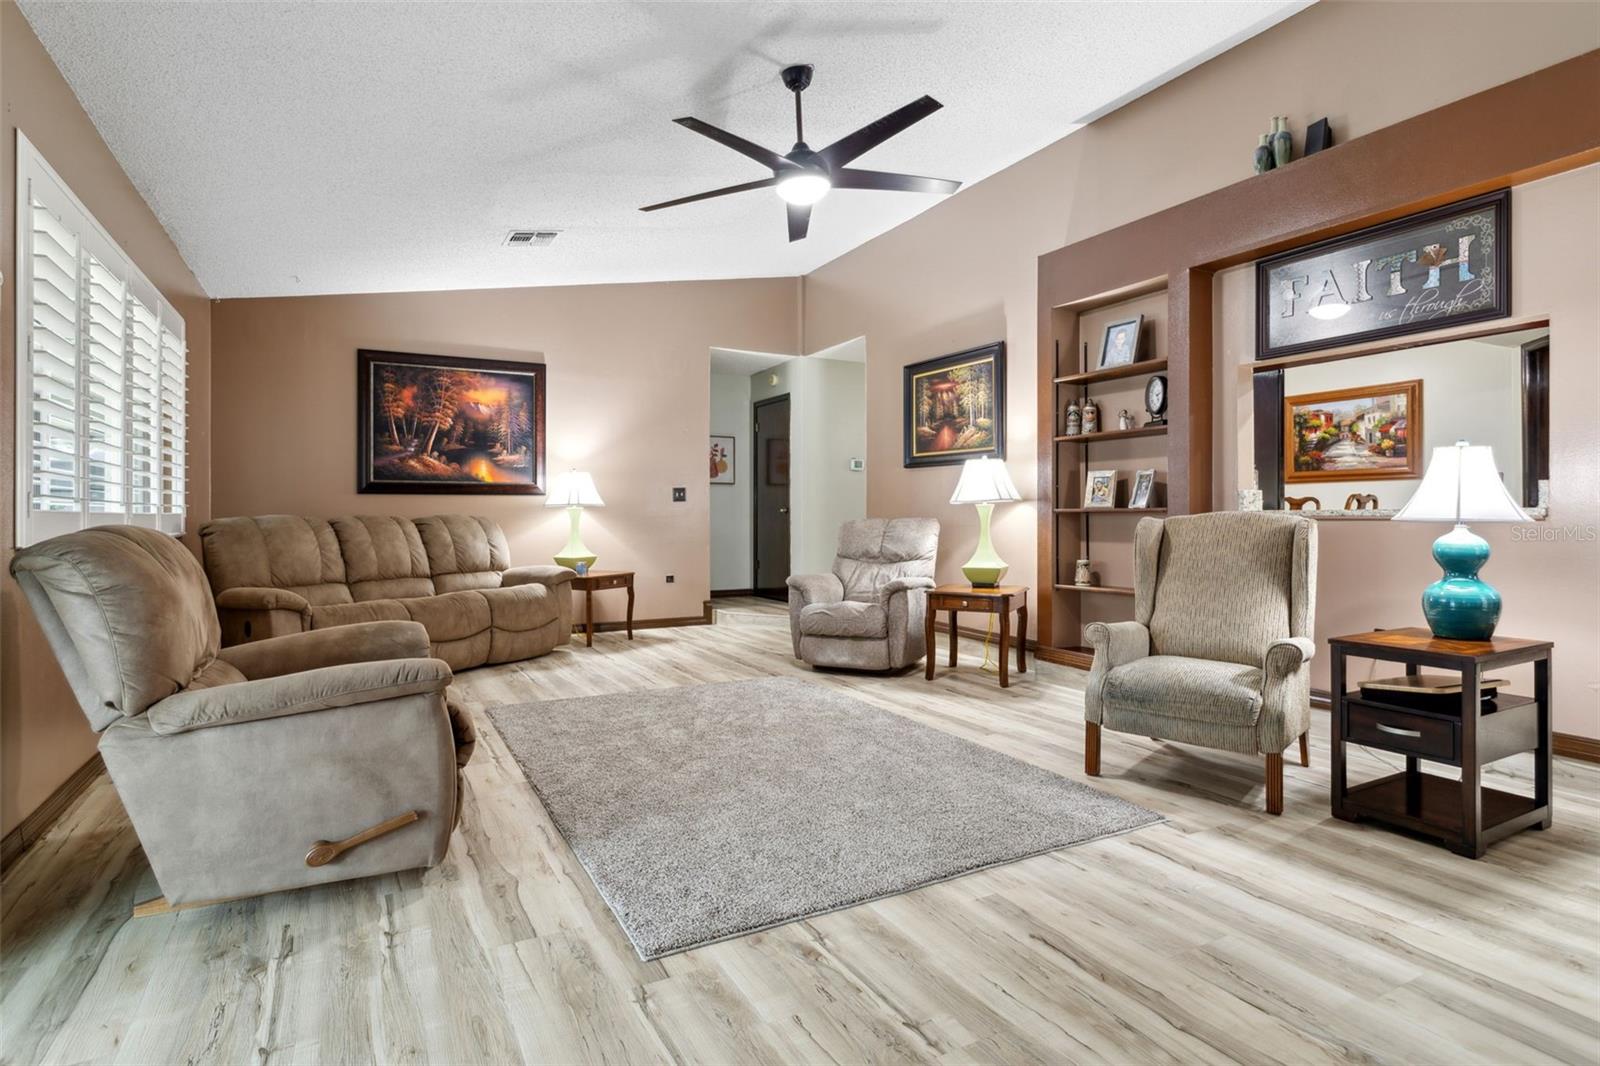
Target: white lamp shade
{"points": [[1462, 485], [575, 488], [985, 481]]}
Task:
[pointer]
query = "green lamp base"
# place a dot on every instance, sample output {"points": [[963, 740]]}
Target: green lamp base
{"points": [[985, 569], [575, 551], [1460, 606]]}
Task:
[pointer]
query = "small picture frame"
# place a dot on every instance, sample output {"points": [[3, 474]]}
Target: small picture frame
{"points": [[1120, 345], [1100, 488], [1319, 136], [1144, 483], [722, 472]]}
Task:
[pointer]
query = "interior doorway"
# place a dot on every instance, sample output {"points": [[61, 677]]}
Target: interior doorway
{"points": [[770, 518]]}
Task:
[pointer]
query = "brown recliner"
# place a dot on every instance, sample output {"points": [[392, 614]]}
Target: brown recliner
{"points": [[238, 766], [278, 574]]}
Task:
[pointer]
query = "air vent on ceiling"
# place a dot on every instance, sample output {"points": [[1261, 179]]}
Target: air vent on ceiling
{"points": [[531, 238]]}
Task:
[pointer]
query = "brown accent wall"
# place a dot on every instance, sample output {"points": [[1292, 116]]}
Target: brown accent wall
{"points": [[627, 401], [43, 735], [965, 272]]}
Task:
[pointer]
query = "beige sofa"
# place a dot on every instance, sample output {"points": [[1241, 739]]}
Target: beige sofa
{"points": [[237, 764], [278, 574]]}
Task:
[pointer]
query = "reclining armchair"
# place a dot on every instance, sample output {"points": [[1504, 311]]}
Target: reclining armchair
{"points": [[291, 761], [868, 613], [1219, 651]]}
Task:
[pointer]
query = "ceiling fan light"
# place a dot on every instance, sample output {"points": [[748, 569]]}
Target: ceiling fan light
{"points": [[804, 187]]}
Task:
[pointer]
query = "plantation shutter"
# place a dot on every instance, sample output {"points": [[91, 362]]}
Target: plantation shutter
{"points": [[101, 374]]}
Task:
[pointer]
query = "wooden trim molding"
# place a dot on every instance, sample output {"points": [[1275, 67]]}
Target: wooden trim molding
{"points": [[1575, 747], [718, 594], [42, 817]]}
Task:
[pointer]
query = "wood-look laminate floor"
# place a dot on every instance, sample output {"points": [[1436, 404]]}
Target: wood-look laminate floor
{"points": [[1222, 935]]}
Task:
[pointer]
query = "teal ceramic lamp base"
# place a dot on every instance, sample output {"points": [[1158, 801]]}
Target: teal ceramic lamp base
{"points": [[1459, 606], [575, 552], [985, 569]]}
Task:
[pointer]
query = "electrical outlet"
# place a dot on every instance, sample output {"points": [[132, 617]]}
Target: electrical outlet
{"points": [[669, 579], [679, 495]]}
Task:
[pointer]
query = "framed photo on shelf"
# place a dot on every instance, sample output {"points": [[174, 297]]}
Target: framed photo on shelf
{"points": [[721, 460], [1120, 345], [1100, 488], [1144, 483], [1370, 433]]}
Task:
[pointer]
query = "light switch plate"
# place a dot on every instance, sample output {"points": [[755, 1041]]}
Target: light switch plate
{"points": [[679, 495]]}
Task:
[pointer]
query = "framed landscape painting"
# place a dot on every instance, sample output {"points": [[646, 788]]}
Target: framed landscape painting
{"points": [[1364, 434], [955, 407], [438, 424]]}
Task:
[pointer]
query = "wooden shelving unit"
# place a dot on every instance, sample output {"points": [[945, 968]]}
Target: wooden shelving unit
{"points": [[1075, 305]]}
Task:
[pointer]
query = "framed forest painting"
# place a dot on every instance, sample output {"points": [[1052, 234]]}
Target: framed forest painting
{"points": [[955, 407], [439, 424]]}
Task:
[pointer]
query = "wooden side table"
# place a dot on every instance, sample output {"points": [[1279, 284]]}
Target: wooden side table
{"points": [[1466, 817], [597, 581], [1002, 601]]}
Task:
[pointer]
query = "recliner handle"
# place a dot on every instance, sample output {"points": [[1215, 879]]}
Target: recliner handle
{"points": [[325, 851]]}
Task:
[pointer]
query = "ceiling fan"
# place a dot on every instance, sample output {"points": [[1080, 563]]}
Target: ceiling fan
{"points": [[802, 176]]}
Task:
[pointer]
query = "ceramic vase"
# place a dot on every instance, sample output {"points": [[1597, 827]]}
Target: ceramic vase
{"points": [[1081, 575], [1249, 499], [1264, 154], [1282, 141], [1074, 419], [1091, 416]]}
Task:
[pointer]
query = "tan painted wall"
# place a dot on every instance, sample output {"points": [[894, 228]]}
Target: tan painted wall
{"points": [[627, 401], [965, 272], [1372, 573], [43, 734]]}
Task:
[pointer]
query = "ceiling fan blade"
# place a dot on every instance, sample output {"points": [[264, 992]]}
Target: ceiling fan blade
{"points": [[764, 183], [847, 178], [765, 156], [799, 221], [873, 134]]}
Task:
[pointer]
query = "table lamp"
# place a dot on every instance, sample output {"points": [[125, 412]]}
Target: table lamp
{"points": [[985, 482], [574, 490], [1461, 485]]}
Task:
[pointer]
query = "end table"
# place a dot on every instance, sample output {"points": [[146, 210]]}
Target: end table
{"points": [[596, 581], [1465, 816], [1002, 601]]}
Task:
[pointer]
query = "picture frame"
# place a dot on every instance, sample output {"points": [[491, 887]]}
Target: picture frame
{"points": [[1446, 267], [1119, 346], [1367, 433], [449, 425], [1144, 483], [722, 460], [1100, 488], [954, 407]]}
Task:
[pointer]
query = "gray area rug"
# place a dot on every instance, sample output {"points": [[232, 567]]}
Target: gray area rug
{"points": [[711, 811]]}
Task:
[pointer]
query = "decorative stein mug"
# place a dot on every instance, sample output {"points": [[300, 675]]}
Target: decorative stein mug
{"points": [[1074, 419], [1091, 416]]}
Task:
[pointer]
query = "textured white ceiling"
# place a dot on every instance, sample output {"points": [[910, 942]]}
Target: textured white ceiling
{"points": [[297, 148]]}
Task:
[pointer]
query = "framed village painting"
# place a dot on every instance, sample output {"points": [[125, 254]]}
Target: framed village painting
{"points": [[1365, 434], [955, 407], [439, 424]]}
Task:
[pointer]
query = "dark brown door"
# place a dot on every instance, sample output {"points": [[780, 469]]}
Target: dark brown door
{"points": [[772, 497]]}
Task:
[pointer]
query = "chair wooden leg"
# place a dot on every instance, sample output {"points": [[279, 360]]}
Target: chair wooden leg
{"points": [[1275, 783], [1091, 748], [1305, 748]]}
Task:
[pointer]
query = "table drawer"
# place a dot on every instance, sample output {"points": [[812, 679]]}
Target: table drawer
{"points": [[1396, 730], [990, 605], [595, 584]]}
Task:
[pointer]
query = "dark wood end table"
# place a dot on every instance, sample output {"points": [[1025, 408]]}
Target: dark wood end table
{"points": [[1466, 817], [1001, 600], [597, 581]]}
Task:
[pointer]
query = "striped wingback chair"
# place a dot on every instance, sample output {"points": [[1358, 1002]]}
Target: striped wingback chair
{"points": [[1219, 651]]}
